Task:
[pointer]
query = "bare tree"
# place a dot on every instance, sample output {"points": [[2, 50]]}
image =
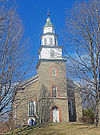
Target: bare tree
{"points": [[84, 33], [12, 56], [44, 105]]}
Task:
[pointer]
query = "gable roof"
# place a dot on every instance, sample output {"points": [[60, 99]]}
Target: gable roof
{"points": [[28, 82]]}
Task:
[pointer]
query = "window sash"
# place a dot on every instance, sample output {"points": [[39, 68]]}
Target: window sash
{"points": [[53, 71], [31, 108], [54, 91], [51, 41], [45, 41], [52, 54]]}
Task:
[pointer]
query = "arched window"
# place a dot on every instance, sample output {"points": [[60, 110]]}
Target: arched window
{"points": [[53, 71], [42, 42], [45, 41], [51, 41], [52, 53], [54, 91], [55, 41], [31, 108]]}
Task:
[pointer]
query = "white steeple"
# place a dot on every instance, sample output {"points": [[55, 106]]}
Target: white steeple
{"points": [[49, 46], [48, 28]]}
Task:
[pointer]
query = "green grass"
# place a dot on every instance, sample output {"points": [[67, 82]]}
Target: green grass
{"points": [[57, 129]]}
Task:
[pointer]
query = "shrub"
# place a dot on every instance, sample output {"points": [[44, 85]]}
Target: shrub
{"points": [[88, 116]]}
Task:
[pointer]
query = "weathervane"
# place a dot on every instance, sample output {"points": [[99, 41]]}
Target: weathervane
{"points": [[48, 13]]}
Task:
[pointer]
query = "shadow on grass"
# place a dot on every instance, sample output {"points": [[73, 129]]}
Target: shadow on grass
{"points": [[26, 130], [52, 129], [20, 130]]}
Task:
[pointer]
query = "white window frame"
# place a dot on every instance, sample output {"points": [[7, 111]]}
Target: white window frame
{"points": [[45, 41], [53, 71], [51, 41], [30, 113], [54, 89]]}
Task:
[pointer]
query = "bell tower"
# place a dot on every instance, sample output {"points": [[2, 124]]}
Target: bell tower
{"points": [[51, 67], [49, 46]]}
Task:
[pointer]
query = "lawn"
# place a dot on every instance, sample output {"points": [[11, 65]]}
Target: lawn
{"points": [[58, 129]]}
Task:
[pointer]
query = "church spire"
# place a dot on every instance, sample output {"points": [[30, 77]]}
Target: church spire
{"points": [[48, 21], [48, 27], [49, 37], [49, 49]]}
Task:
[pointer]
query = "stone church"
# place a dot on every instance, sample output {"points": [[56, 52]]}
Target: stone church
{"points": [[49, 96]]}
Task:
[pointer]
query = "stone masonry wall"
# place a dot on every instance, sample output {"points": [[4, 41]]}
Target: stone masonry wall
{"points": [[78, 105], [46, 81], [41, 92], [20, 107]]}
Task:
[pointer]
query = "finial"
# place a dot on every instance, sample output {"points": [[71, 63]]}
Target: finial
{"points": [[48, 13]]}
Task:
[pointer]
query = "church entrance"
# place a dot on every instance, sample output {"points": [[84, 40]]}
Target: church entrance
{"points": [[55, 114]]}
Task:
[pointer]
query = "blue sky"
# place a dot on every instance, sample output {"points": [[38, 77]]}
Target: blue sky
{"points": [[34, 14]]}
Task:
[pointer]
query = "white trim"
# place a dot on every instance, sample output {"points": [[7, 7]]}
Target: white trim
{"points": [[34, 109], [29, 83]]}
